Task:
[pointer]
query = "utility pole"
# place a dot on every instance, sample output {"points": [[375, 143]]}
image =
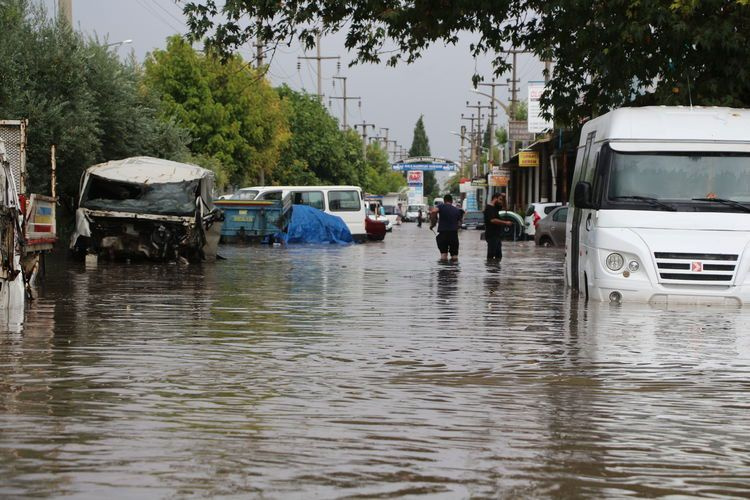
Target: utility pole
{"points": [[259, 47], [65, 10], [492, 116], [386, 133], [472, 138], [514, 81], [479, 108], [461, 151], [345, 98], [364, 126], [395, 143], [319, 58]]}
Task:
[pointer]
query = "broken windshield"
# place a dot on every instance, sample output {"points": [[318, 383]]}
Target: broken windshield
{"points": [[174, 198]]}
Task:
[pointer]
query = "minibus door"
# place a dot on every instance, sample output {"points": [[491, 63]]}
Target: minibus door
{"points": [[579, 216]]}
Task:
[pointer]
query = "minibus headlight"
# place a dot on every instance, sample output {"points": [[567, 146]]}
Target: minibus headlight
{"points": [[615, 261], [633, 265]]}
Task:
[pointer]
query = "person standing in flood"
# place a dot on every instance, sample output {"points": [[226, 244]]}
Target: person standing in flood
{"points": [[493, 226], [419, 218], [448, 220]]}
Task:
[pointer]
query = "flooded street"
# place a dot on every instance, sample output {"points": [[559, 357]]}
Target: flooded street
{"points": [[366, 371]]}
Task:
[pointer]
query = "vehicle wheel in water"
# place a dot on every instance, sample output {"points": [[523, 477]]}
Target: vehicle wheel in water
{"points": [[546, 242]]}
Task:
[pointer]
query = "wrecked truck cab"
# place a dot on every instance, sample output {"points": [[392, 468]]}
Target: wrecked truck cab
{"points": [[147, 208]]}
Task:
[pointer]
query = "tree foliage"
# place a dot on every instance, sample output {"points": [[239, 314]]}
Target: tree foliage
{"points": [[317, 152], [76, 95], [606, 53], [379, 178], [420, 146], [230, 110]]}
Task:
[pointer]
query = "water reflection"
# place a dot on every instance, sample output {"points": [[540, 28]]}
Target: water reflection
{"points": [[369, 371]]}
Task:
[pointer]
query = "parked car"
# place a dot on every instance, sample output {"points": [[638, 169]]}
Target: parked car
{"points": [[536, 212], [550, 231], [473, 220], [375, 229]]}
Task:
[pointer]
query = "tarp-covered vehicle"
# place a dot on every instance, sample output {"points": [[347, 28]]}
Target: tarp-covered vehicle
{"points": [[147, 208]]}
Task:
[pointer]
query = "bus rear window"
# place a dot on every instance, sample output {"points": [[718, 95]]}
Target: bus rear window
{"points": [[343, 201]]}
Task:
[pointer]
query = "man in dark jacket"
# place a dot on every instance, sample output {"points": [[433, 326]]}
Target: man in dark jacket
{"points": [[493, 226], [448, 220]]}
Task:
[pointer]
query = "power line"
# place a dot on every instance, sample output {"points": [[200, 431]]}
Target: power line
{"points": [[181, 21], [156, 14]]}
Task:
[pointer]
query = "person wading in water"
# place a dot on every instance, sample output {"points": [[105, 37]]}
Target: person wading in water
{"points": [[493, 226], [448, 220]]}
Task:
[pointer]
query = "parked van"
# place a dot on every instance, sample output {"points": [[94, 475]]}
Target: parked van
{"points": [[661, 207], [346, 202]]}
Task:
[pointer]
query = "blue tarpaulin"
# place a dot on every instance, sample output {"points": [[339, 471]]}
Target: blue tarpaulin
{"points": [[310, 225]]}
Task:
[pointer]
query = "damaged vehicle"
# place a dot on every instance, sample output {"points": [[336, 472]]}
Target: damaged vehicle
{"points": [[147, 208]]}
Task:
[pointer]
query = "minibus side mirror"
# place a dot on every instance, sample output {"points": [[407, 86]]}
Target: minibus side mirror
{"points": [[582, 195]]}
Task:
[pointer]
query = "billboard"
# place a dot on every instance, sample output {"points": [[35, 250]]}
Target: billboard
{"points": [[415, 181], [537, 124]]}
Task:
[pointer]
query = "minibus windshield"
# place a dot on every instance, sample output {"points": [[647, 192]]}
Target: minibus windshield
{"points": [[679, 177]]}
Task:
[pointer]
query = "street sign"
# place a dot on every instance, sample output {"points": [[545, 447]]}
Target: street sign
{"points": [[528, 159], [518, 130]]}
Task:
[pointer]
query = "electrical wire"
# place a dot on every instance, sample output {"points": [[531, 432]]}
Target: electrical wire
{"points": [[180, 21], [156, 14]]}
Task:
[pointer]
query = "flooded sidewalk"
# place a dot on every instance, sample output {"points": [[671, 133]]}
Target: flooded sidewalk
{"points": [[366, 371]]}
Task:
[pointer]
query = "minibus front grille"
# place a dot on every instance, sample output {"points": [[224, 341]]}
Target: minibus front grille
{"points": [[695, 256], [699, 268]]}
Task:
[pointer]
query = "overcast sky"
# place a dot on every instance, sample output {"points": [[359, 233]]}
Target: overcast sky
{"points": [[437, 86]]}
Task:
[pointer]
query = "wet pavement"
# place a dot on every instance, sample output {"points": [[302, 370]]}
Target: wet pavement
{"points": [[367, 371]]}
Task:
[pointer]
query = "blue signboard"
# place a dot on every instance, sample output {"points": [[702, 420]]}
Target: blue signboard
{"points": [[426, 164]]}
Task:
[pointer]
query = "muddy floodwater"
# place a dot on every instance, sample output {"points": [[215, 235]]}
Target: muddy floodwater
{"points": [[366, 371]]}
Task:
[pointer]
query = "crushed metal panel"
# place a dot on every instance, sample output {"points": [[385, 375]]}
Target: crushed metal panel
{"points": [[124, 219]]}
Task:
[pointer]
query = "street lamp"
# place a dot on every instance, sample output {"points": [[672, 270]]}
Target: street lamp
{"points": [[117, 44], [498, 101]]}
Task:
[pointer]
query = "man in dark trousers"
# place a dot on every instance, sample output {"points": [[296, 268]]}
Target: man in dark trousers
{"points": [[448, 220], [419, 218], [493, 226]]}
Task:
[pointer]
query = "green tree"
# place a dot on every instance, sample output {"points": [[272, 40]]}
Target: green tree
{"points": [[230, 110], [379, 178], [317, 151], [522, 111], [76, 95], [420, 146], [501, 136], [607, 54]]}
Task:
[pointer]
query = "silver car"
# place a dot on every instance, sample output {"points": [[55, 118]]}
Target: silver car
{"points": [[550, 231]]}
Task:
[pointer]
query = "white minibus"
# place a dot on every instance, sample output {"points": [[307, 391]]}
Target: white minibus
{"points": [[343, 201], [661, 207]]}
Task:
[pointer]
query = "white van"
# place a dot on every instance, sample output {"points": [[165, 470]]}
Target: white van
{"points": [[661, 207], [343, 201], [412, 212]]}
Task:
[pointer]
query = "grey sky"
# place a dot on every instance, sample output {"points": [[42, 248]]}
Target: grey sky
{"points": [[437, 86]]}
